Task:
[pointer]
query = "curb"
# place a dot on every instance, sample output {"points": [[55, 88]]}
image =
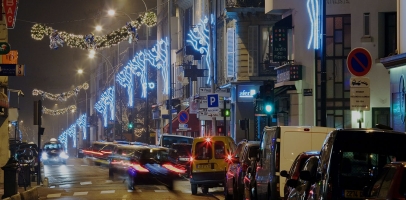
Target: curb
{"points": [[31, 194]]}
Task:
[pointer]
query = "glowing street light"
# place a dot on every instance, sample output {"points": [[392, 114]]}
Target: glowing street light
{"points": [[98, 28], [80, 71]]}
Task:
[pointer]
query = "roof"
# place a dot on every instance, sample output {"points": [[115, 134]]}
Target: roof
{"points": [[369, 130]]}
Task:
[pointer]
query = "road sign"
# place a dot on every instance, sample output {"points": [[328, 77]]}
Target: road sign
{"points": [[359, 62], [203, 103], [204, 115], [4, 48], [360, 99], [183, 117], [12, 70], [213, 103], [221, 92]]}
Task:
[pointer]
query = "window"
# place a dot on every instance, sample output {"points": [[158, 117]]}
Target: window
{"points": [[230, 52], [366, 24], [253, 39], [219, 150], [203, 151]]}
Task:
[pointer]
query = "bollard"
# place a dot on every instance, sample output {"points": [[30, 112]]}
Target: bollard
{"points": [[46, 182], [10, 180]]}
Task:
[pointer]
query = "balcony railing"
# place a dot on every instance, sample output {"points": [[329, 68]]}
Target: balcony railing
{"points": [[245, 3]]}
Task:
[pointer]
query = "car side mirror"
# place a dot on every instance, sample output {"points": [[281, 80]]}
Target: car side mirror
{"points": [[305, 175], [291, 183], [284, 173]]}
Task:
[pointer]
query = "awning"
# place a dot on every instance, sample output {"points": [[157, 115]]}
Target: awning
{"points": [[192, 124]]}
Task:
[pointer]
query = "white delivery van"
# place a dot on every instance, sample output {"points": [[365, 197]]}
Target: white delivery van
{"points": [[166, 140], [279, 147]]}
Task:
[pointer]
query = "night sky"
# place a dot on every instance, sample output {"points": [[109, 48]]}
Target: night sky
{"points": [[55, 71]]}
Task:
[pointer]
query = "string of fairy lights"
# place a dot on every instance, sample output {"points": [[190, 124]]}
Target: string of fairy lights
{"points": [[90, 41]]}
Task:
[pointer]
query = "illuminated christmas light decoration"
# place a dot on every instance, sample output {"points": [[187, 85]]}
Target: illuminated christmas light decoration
{"points": [[63, 138], [89, 41], [70, 132], [106, 101], [314, 14], [139, 67], [81, 122], [125, 79], [158, 57], [151, 85], [59, 111], [60, 97], [199, 39]]}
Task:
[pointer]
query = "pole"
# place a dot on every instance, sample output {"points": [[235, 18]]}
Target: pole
{"points": [[39, 141], [323, 88], [146, 98], [213, 87], [170, 66], [225, 118]]}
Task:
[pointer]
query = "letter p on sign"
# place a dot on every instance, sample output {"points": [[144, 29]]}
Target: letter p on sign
{"points": [[213, 101]]}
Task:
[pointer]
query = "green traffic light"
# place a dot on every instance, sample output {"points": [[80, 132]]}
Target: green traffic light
{"points": [[227, 112], [130, 126], [268, 108]]}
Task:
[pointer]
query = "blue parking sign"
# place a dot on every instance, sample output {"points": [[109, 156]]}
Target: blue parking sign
{"points": [[212, 101]]}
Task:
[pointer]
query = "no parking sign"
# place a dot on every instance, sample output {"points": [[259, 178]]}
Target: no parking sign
{"points": [[359, 62]]}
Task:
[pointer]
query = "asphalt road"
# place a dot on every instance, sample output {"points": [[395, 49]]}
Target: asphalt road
{"points": [[81, 179]]}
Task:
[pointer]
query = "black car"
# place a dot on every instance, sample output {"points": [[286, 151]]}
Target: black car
{"points": [[53, 152]]}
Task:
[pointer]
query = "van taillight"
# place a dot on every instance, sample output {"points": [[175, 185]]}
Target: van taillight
{"points": [[191, 159], [208, 139], [229, 158], [306, 129]]}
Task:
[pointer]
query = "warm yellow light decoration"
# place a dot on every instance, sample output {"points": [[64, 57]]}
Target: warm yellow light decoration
{"points": [[89, 41], [60, 97], [47, 111]]}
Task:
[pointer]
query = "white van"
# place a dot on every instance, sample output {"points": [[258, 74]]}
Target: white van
{"points": [[166, 140], [278, 149]]}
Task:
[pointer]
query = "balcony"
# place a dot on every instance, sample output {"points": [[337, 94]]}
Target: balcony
{"points": [[245, 3]]}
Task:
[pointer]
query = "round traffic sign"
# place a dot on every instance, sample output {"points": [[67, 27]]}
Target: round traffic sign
{"points": [[183, 117], [359, 62]]}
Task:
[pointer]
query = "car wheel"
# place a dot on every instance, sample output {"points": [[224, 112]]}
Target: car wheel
{"points": [[205, 189], [193, 187]]}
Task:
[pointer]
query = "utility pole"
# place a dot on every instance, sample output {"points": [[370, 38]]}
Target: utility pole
{"points": [[323, 84], [170, 66], [213, 86]]}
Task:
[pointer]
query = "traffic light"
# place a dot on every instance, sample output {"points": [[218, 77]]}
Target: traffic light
{"points": [[130, 123], [225, 112], [269, 105], [267, 93]]}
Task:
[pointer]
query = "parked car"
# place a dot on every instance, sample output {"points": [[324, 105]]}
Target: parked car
{"points": [[295, 170], [279, 147], [180, 154], [351, 161], [208, 161], [391, 183], [245, 154], [300, 187], [53, 152]]}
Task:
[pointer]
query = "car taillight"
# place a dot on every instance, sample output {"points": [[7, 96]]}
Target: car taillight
{"points": [[191, 159], [106, 152], [173, 168], [139, 168]]}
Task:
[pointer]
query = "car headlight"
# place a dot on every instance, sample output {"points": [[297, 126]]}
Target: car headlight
{"points": [[63, 155], [44, 155]]}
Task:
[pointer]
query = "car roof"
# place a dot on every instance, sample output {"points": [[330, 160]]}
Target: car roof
{"points": [[181, 144], [370, 130]]}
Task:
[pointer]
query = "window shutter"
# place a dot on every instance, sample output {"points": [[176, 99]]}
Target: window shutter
{"points": [[230, 52], [253, 50]]}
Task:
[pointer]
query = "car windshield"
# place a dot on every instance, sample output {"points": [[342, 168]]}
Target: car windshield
{"points": [[52, 146], [169, 140], [182, 150]]}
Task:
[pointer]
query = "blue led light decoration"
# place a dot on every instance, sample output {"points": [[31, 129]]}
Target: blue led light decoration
{"points": [[81, 122], [106, 101], [200, 41], [125, 79], [70, 132], [313, 10], [138, 64], [158, 57], [63, 138]]}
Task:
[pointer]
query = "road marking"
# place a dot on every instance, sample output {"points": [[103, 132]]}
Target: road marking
{"points": [[109, 181], [161, 187], [138, 190], [52, 186], [187, 191], [79, 193], [161, 190], [65, 186], [86, 183], [70, 165], [54, 195], [84, 165], [108, 192]]}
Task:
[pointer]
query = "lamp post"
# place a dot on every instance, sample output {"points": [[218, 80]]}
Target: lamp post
{"points": [[92, 55]]}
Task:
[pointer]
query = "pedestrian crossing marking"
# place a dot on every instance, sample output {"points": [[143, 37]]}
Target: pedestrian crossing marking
{"points": [[79, 193], [161, 190], [54, 195], [86, 183], [108, 192]]}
